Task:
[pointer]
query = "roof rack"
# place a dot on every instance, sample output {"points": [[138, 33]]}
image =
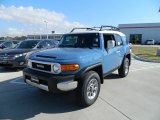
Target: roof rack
{"points": [[102, 28], [87, 28], [107, 27]]}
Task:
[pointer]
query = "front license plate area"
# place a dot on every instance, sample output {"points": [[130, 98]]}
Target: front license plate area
{"points": [[4, 62], [34, 79]]}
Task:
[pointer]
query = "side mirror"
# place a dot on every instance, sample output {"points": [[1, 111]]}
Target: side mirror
{"points": [[110, 44], [2, 47]]}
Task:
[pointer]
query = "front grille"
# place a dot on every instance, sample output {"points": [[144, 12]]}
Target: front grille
{"points": [[6, 57], [41, 66]]}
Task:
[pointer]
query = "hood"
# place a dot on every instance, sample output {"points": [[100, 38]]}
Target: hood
{"points": [[67, 53], [15, 51]]}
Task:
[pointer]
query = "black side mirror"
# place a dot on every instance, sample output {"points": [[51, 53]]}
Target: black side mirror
{"points": [[2, 47]]}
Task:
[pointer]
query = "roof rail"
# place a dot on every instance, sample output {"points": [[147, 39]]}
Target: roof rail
{"points": [[103, 27], [87, 28], [107, 27]]}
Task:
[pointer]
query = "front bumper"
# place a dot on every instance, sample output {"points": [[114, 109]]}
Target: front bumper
{"points": [[13, 63], [48, 81]]}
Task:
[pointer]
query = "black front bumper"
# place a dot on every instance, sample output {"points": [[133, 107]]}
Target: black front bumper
{"points": [[13, 63], [46, 79]]}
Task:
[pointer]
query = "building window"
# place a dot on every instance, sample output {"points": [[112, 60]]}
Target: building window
{"points": [[50, 37], [57, 37], [135, 38], [37, 37], [30, 37], [44, 37]]}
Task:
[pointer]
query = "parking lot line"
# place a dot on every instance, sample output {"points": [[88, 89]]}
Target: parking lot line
{"points": [[18, 81], [115, 108], [133, 70]]}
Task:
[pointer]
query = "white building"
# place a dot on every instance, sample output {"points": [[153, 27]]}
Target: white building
{"points": [[54, 36], [140, 32]]}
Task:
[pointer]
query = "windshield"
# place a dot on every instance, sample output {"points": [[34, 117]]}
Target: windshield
{"points": [[88, 40], [29, 44], [150, 40]]}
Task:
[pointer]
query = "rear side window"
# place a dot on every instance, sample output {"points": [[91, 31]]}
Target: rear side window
{"points": [[118, 40]]}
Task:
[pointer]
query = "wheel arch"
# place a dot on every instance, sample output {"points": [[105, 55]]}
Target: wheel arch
{"points": [[96, 67]]}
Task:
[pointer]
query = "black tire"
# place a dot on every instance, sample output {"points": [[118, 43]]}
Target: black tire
{"points": [[87, 94], [124, 69]]}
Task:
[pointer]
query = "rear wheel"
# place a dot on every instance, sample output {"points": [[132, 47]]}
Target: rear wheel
{"points": [[89, 88], [124, 69]]}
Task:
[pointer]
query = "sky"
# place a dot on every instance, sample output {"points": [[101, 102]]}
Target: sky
{"points": [[22, 17]]}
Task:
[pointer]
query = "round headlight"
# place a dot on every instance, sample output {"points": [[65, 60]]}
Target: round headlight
{"points": [[56, 68]]}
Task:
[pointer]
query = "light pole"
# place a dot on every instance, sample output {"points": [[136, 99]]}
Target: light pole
{"points": [[46, 28]]}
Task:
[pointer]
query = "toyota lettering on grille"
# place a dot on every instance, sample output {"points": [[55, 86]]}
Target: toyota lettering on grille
{"points": [[40, 66]]}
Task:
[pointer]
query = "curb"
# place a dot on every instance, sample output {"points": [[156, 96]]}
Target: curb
{"points": [[143, 59]]}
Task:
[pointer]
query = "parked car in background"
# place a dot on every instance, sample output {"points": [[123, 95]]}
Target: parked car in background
{"points": [[15, 43], [57, 42], [6, 44], [157, 43], [150, 42], [16, 57]]}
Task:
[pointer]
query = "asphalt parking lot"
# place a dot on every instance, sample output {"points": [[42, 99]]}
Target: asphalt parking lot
{"points": [[136, 97]]}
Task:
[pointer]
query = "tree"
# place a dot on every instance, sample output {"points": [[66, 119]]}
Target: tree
{"points": [[1, 38], [20, 38]]}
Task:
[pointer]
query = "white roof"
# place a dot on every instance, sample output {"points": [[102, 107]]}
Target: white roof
{"points": [[104, 31]]}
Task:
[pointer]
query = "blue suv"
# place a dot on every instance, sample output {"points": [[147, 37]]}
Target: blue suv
{"points": [[80, 63]]}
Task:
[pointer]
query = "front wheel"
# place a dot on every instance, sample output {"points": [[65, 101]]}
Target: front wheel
{"points": [[89, 88], [124, 69]]}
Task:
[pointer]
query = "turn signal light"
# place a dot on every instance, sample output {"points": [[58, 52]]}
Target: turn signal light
{"points": [[71, 67]]}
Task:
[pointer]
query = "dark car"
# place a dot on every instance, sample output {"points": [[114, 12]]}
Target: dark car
{"points": [[16, 57], [6, 44], [157, 43]]}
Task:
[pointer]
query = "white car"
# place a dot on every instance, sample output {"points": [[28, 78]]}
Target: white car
{"points": [[150, 42]]}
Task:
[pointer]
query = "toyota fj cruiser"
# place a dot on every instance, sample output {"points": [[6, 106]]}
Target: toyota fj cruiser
{"points": [[80, 62]]}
